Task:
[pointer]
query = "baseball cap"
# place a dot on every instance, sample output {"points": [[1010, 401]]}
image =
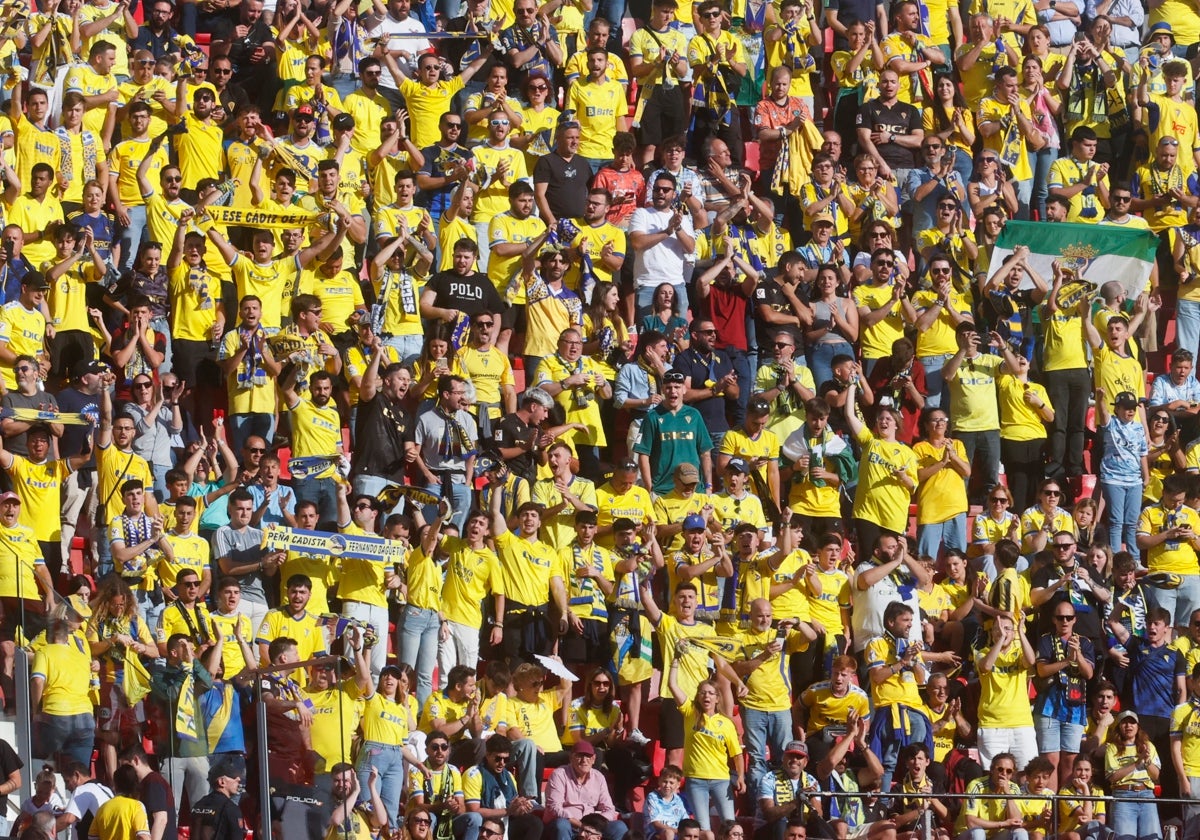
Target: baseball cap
{"points": [[821, 219], [687, 473], [10, 496], [1128, 714], [1126, 399], [343, 122], [85, 366], [796, 747], [35, 280], [583, 748], [691, 522], [304, 111], [737, 465], [485, 463]]}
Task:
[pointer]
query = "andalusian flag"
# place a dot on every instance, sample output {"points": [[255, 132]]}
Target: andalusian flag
{"points": [[1094, 253]]}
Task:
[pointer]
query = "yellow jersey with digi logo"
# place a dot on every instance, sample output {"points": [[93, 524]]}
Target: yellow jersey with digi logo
{"points": [[200, 150], [877, 340], [472, 575], [158, 111], [506, 228], [1004, 691], [23, 331], [828, 607], [440, 706], [709, 742], [39, 486], [316, 430], [336, 713], [82, 79], [191, 552], [123, 163], [527, 568], [558, 530], [385, 721], [733, 511], [881, 497], [492, 200], [194, 294], [693, 665]]}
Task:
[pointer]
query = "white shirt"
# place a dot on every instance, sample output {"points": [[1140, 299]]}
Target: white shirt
{"points": [[412, 46], [663, 263], [85, 802]]}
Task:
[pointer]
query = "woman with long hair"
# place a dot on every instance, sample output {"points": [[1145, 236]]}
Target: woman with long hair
{"points": [[437, 358], [1166, 453], [949, 118], [1044, 104], [709, 737], [605, 337], [596, 716], [988, 226], [835, 324], [665, 318], [115, 631], [388, 719], [990, 186], [1083, 818], [877, 234], [942, 476], [1132, 766]]}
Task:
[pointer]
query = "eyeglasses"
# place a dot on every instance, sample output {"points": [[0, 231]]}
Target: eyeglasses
{"points": [[421, 821], [1004, 771], [499, 122], [1051, 492], [779, 344], [173, 179], [939, 421], [572, 342], [439, 746], [221, 71], [1064, 618], [189, 583], [945, 269], [363, 506], [24, 369]]}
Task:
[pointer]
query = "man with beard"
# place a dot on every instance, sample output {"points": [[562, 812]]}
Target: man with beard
{"points": [[600, 241], [383, 431], [164, 206], [12, 268], [519, 435], [250, 372], [461, 290], [368, 107], [446, 438], [36, 141], [123, 162], [316, 433], [198, 145], [349, 817], [663, 239], [560, 178], [250, 46], [490, 371], [81, 396], [446, 165], [300, 147], [513, 236]]}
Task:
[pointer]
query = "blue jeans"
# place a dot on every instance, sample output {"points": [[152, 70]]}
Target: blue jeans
{"points": [[561, 829], [933, 537], [1187, 325], [408, 346], [1181, 602], [596, 164], [1124, 505], [820, 359], [985, 446], [706, 793], [131, 237], [745, 378], [937, 394], [1041, 161], [243, 426], [612, 11], [322, 492], [1054, 735], [763, 731], [164, 327], [460, 498], [1134, 816], [1024, 196], [389, 762], [891, 746], [71, 736], [419, 645]]}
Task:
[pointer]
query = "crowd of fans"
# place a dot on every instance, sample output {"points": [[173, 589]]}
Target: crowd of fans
{"points": [[574, 420]]}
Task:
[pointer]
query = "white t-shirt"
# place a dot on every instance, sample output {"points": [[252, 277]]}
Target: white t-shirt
{"points": [[664, 262], [85, 802], [412, 46]]}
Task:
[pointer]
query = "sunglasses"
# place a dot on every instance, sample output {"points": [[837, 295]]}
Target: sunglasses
{"points": [[1051, 492], [664, 189], [455, 126], [135, 384], [999, 501], [173, 179], [421, 821], [779, 344], [1061, 546], [1064, 618], [257, 450], [885, 263], [499, 122], [1161, 419], [539, 87], [711, 15], [438, 747], [1122, 198]]}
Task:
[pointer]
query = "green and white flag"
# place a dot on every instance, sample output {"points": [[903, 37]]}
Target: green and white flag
{"points": [[1094, 254]]}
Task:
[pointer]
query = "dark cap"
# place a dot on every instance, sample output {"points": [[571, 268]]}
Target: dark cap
{"points": [[583, 748], [1126, 399], [36, 280], [304, 111], [85, 366], [796, 747], [343, 122], [737, 465], [694, 522]]}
